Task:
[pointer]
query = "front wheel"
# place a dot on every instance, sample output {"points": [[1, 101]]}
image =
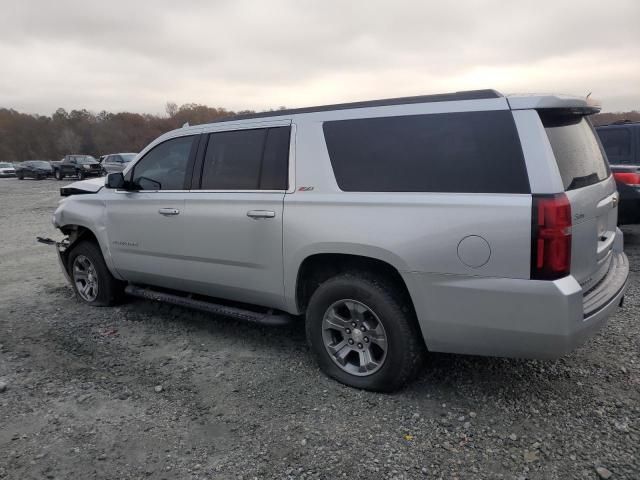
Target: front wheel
{"points": [[20, 176], [59, 175], [90, 277], [363, 332], [81, 175]]}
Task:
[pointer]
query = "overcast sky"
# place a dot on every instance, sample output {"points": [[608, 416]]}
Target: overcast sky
{"points": [[136, 55]]}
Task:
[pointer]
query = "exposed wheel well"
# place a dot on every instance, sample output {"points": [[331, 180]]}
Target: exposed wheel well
{"points": [[320, 267], [75, 234]]}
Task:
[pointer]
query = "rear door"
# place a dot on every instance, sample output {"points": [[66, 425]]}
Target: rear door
{"points": [[591, 190], [234, 214]]}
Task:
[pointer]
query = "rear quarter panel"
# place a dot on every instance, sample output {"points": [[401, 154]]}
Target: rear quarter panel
{"points": [[414, 232]]}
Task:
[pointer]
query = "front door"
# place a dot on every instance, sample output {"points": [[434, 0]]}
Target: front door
{"points": [[145, 222]]}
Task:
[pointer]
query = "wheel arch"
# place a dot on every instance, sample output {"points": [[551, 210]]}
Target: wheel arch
{"points": [[77, 232], [319, 267]]}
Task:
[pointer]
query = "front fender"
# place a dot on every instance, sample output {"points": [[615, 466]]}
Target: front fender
{"points": [[82, 215]]}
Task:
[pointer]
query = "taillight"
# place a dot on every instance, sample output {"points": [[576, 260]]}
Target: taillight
{"points": [[551, 237], [628, 178]]}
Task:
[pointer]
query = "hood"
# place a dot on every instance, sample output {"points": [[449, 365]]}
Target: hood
{"points": [[92, 185]]}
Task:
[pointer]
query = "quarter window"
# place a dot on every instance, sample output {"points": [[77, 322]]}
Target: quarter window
{"points": [[255, 159], [472, 152], [164, 167]]}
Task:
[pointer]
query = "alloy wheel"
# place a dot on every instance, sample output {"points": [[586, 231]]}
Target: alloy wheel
{"points": [[85, 278], [354, 337]]}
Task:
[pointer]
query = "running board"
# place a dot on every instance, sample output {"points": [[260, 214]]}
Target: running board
{"points": [[270, 319]]}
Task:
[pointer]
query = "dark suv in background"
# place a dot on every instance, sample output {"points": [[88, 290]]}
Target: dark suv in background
{"points": [[621, 141]]}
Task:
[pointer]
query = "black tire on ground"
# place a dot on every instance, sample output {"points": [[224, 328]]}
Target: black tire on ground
{"points": [[110, 290], [405, 346], [59, 175], [20, 176], [81, 175]]}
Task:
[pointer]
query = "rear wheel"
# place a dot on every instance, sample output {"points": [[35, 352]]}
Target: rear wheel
{"points": [[363, 333], [59, 175], [20, 176], [90, 277]]}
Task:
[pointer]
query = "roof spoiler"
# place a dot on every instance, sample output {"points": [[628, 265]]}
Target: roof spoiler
{"points": [[559, 103]]}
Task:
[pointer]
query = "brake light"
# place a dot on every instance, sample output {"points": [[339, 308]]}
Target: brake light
{"points": [[551, 237], [628, 178]]}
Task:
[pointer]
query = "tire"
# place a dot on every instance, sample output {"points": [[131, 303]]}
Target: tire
{"points": [[386, 305], [58, 174], [86, 257], [20, 176], [81, 175]]}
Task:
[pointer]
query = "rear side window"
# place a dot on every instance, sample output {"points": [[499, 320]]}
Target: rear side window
{"points": [[580, 159], [254, 159], [475, 152], [617, 143]]}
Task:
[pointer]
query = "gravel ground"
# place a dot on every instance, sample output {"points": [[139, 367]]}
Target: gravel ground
{"points": [[153, 391]]}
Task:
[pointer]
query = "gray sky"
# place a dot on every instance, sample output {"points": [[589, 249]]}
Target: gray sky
{"points": [[136, 55]]}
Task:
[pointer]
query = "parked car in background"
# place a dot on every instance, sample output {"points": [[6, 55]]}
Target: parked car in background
{"points": [[621, 141], [38, 169], [7, 169], [80, 166], [116, 162]]}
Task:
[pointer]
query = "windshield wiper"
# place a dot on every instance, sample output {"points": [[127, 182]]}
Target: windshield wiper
{"points": [[579, 182]]}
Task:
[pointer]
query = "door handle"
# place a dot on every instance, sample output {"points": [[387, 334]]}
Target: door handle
{"points": [[261, 214], [169, 211]]}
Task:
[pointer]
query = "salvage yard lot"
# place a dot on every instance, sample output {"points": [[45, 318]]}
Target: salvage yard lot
{"points": [[154, 391]]}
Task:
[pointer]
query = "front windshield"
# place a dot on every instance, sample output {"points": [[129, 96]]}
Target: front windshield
{"points": [[41, 164], [127, 157], [87, 159], [5, 165]]}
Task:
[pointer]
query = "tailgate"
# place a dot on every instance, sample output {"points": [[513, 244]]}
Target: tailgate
{"points": [[591, 191]]}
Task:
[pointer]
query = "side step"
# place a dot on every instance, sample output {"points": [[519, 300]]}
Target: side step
{"points": [[270, 319]]}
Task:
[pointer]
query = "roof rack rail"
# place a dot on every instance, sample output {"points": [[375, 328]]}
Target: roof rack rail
{"points": [[440, 97]]}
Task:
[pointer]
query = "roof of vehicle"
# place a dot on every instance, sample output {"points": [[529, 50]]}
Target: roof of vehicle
{"points": [[440, 97], [573, 104]]}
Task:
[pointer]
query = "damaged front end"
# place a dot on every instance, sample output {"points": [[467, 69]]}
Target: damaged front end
{"points": [[61, 248]]}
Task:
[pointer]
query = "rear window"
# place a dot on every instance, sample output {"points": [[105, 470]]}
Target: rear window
{"points": [[474, 152], [254, 159], [580, 159]]}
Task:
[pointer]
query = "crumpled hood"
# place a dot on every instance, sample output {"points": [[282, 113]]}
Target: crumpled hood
{"points": [[92, 185]]}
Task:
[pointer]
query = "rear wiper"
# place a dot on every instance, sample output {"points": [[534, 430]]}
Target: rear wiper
{"points": [[583, 181]]}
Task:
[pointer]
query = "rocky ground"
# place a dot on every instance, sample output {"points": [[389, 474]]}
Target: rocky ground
{"points": [[153, 391]]}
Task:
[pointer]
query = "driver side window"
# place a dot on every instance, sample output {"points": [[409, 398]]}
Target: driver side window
{"points": [[164, 167]]}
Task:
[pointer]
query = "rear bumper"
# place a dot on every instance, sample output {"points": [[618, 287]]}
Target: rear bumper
{"points": [[511, 317]]}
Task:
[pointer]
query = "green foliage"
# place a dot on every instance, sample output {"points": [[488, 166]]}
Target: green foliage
{"points": [[37, 137]]}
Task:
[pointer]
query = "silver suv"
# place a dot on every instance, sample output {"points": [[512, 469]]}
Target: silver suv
{"points": [[468, 222]]}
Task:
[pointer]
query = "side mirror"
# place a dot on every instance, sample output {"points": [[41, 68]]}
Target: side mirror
{"points": [[115, 180]]}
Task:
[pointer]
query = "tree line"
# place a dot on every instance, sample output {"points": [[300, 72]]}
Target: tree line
{"points": [[40, 137]]}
